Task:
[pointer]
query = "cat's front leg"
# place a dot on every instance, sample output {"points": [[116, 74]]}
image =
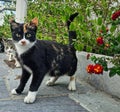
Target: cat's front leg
{"points": [[10, 57], [17, 64], [36, 81], [24, 78], [31, 97]]}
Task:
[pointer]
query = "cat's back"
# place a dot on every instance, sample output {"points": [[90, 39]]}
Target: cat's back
{"points": [[50, 45]]}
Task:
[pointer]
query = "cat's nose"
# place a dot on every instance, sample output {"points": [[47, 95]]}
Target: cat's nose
{"points": [[23, 42]]}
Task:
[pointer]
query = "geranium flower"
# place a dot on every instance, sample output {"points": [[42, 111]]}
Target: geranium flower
{"points": [[90, 69], [100, 40], [98, 69], [115, 15]]}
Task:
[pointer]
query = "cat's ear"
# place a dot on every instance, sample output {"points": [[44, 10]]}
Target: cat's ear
{"points": [[34, 21], [13, 24]]}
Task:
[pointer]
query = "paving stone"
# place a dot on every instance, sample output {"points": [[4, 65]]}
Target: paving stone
{"points": [[51, 104], [3, 90], [3, 72], [3, 67], [97, 101]]}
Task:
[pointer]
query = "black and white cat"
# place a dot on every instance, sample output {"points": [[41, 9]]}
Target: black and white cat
{"points": [[39, 57]]}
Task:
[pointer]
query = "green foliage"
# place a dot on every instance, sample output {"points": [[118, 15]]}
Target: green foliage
{"points": [[5, 29]]}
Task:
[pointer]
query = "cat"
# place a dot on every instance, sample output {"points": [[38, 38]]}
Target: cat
{"points": [[39, 57], [9, 49]]}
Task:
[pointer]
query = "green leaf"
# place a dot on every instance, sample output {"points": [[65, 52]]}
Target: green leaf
{"points": [[103, 28], [88, 34], [79, 47], [82, 1], [99, 21], [118, 72], [72, 27], [112, 72], [88, 11], [94, 59], [113, 28], [88, 48], [81, 18]]}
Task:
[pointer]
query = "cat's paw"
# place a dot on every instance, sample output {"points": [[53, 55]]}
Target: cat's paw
{"points": [[17, 65], [49, 83], [13, 92], [30, 98], [72, 86]]}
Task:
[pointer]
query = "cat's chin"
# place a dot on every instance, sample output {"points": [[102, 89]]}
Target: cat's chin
{"points": [[23, 48]]}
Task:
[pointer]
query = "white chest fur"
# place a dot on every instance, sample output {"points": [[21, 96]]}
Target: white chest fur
{"points": [[23, 48]]}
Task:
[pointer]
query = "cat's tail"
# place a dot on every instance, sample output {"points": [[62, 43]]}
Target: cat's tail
{"points": [[71, 18], [72, 34]]}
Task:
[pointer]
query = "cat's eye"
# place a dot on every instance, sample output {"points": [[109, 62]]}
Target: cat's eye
{"points": [[18, 35], [11, 47], [28, 35]]}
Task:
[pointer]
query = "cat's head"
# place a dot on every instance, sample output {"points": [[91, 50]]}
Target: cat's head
{"points": [[24, 34], [8, 45]]}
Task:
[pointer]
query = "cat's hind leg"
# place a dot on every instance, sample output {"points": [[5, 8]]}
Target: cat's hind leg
{"points": [[52, 81], [72, 83]]}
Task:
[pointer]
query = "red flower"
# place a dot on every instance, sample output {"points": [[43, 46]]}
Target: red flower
{"points": [[115, 15], [100, 40], [98, 69], [90, 69]]}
